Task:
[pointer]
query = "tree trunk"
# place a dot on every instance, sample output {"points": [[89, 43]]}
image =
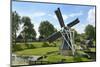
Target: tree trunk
{"points": [[15, 37]]}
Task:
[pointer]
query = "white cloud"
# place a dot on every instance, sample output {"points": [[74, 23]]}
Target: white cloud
{"points": [[55, 17], [76, 14], [38, 14], [91, 16], [80, 27], [33, 15], [90, 20], [58, 27]]}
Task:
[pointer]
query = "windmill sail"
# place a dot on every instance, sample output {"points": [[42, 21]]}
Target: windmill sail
{"points": [[53, 37], [59, 16], [73, 23]]}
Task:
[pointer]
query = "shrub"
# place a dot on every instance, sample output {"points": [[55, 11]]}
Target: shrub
{"points": [[54, 44], [30, 46], [17, 48], [77, 39], [45, 44]]}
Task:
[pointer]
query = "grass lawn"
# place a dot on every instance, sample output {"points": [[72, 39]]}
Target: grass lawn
{"points": [[54, 57], [39, 44], [36, 44], [58, 58], [37, 51]]}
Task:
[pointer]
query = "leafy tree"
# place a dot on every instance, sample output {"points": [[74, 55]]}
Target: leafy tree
{"points": [[41, 38], [75, 32], [76, 36], [16, 21], [46, 28], [28, 31], [90, 32]]}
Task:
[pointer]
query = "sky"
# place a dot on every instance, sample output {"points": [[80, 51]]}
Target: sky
{"points": [[46, 11]]}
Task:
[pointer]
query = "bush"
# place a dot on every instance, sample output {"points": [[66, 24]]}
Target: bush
{"points": [[54, 44], [45, 44], [17, 48], [30, 46], [77, 39]]}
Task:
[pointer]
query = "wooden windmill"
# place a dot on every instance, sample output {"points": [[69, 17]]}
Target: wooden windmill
{"points": [[67, 47]]}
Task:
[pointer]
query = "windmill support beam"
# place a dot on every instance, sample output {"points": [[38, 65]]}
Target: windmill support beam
{"points": [[70, 39]]}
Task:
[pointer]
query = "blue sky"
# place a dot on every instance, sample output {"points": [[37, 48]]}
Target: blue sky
{"points": [[42, 11]]}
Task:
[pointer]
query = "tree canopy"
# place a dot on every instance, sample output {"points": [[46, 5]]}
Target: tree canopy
{"points": [[28, 30], [90, 31], [46, 28], [16, 21]]}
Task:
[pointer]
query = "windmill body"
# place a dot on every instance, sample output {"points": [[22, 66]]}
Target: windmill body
{"points": [[67, 47]]}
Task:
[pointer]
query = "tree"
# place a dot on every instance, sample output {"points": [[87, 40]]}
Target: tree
{"points": [[90, 32], [46, 28], [28, 31], [16, 21], [41, 38], [75, 33], [76, 36]]}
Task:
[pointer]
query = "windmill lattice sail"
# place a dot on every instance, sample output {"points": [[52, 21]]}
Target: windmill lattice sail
{"points": [[54, 37], [71, 24], [60, 18]]}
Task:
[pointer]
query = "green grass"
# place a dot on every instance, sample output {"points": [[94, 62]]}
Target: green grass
{"points": [[37, 51], [36, 44], [54, 57], [85, 59], [39, 44], [58, 58]]}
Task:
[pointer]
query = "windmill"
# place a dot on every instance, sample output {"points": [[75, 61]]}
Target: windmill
{"points": [[66, 33]]}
